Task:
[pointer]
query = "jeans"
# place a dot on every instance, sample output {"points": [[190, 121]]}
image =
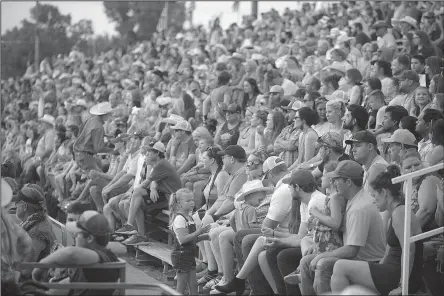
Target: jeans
{"points": [[317, 282], [283, 261], [243, 242]]}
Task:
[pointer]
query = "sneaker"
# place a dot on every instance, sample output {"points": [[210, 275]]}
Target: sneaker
{"points": [[201, 274], [222, 282], [293, 278], [210, 284], [206, 279], [135, 240], [235, 285], [126, 229], [129, 238]]}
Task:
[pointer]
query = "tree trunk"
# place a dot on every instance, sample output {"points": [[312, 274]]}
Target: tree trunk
{"points": [[254, 9]]}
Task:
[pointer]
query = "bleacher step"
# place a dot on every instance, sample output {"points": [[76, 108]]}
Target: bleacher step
{"points": [[158, 250]]}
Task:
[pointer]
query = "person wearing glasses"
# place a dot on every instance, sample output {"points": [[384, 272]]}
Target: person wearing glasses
{"points": [[92, 234], [228, 133]]}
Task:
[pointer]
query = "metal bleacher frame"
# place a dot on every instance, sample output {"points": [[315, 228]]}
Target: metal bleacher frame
{"points": [[407, 231]]}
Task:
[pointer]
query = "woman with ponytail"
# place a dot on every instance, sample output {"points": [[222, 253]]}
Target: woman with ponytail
{"points": [[385, 277]]}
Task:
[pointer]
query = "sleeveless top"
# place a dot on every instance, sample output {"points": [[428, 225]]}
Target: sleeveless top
{"points": [[394, 257], [189, 246]]}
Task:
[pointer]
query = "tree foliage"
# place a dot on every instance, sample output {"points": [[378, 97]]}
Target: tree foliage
{"points": [[56, 34], [140, 18]]}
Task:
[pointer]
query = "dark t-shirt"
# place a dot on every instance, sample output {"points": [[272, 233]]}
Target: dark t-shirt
{"points": [[168, 181], [96, 275], [362, 38]]}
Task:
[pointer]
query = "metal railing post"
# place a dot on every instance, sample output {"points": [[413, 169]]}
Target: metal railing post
{"points": [[406, 244]]}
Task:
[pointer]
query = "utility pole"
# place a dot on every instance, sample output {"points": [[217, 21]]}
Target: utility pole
{"points": [[37, 40], [254, 9]]}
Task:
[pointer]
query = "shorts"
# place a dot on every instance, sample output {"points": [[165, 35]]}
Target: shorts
{"points": [[154, 208], [183, 260]]}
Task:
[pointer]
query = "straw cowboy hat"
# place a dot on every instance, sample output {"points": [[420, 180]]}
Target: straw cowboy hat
{"points": [[101, 109], [48, 119], [252, 187], [407, 19], [173, 119]]}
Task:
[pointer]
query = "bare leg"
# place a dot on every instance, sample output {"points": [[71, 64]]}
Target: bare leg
{"points": [[351, 272], [214, 239], [263, 263], [227, 253], [252, 262], [192, 282], [136, 203], [182, 282]]}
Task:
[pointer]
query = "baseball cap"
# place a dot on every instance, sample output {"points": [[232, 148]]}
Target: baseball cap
{"points": [[158, 146], [285, 104], [276, 89], [331, 139], [303, 178], [183, 125], [296, 105], [363, 136], [401, 136], [271, 162], [234, 150], [233, 108], [91, 222], [348, 169], [409, 74]]}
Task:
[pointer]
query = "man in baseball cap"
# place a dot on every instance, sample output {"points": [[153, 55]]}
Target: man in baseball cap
{"points": [[399, 143], [92, 234], [408, 83], [183, 146], [365, 152], [153, 191]]}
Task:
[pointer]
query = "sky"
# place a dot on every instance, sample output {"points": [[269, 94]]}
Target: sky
{"points": [[13, 12]]}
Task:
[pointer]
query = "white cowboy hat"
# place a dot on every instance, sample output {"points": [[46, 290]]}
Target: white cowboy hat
{"points": [[237, 55], [101, 109], [183, 125], [48, 119], [6, 193], [252, 187], [173, 119], [162, 101], [406, 19]]}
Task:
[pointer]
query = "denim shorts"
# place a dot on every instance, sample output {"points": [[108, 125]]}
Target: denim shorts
{"points": [[183, 261]]}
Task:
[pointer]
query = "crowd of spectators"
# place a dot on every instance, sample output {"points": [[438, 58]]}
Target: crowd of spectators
{"points": [[272, 142]]}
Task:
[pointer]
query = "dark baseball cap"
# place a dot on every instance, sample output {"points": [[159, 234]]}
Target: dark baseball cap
{"points": [[364, 136], [303, 178], [348, 169], [91, 222], [236, 151]]}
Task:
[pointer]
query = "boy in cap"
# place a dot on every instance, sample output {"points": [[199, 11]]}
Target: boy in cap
{"points": [[92, 235]]}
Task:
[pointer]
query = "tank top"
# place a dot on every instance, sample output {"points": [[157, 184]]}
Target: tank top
{"points": [[394, 257]]}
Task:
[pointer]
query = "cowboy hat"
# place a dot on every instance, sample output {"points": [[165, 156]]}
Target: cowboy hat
{"points": [[48, 119], [173, 119], [252, 187], [406, 19], [101, 109]]}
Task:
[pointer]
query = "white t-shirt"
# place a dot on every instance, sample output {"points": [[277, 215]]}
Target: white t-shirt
{"points": [[280, 205], [180, 222], [317, 200]]}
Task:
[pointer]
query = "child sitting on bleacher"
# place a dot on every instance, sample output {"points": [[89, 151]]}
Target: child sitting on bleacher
{"points": [[185, 238]]}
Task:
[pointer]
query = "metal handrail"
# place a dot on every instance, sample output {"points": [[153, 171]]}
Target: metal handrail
{"points": [[113, 286], [407, 219]]}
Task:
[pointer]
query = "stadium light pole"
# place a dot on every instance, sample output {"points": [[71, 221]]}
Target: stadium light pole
{"points": [[37, 40]]}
